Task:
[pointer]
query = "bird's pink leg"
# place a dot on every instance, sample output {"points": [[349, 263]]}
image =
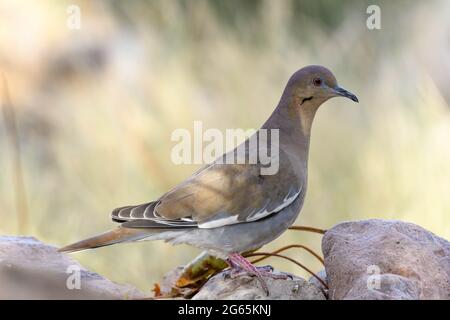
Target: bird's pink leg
{"points": [[239, 264]]}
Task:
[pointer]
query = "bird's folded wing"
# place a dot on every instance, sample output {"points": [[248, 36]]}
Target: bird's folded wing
{"points": [[217, 195]]}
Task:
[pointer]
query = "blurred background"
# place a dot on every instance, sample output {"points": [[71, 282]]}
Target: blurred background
{"points": [[93, 109]]}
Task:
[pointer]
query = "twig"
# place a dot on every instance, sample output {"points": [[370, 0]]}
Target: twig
{"points": [[318, 257], [309, 229], [19, 184], [292, 260]]}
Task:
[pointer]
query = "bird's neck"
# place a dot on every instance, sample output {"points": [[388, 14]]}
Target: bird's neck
{"points": [[293, 117]]}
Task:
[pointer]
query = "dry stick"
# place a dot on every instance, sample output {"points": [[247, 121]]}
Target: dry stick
{"points": [[19, 184], [275, 253], [292, 260], [293, 246], [309, 229]]}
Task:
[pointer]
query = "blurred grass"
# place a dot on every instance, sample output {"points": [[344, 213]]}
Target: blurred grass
{"points": [[96, 108]]}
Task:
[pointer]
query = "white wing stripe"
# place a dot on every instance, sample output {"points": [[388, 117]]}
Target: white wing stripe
{"points": [[219, 222], [262, 213]]}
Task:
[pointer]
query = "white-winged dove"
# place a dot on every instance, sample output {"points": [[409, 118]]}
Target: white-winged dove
{"points": [[229, 209]]}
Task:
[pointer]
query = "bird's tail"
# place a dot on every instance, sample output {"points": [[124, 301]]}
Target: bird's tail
{"points": [[117, 235]]}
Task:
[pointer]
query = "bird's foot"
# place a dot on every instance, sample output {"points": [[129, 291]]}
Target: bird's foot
{"points": [[239, 265], [236, 271], [267, 271]]}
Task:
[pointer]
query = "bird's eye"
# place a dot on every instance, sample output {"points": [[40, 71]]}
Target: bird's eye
{"points": [[317, 82]]}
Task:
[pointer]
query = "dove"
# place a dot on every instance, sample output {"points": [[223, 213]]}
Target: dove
{"points": [[227, 208]]}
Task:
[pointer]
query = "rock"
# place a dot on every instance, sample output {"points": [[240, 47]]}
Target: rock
{"points": [[168, 288], [30, 269], [371, 259], [246, 287], [322, 275], [169, 280], [383, 259]]}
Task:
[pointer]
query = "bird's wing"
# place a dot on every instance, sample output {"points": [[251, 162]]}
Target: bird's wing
{"points": [[217, 195]]}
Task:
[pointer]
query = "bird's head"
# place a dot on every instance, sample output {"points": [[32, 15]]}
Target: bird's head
{"points": [[316, 84]]}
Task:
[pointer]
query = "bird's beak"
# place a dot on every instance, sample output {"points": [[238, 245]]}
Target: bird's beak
{"points": [[344, 93]]}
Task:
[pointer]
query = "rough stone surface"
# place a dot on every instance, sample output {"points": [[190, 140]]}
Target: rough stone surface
{"points": [[246, 287], [371, 259], [412, 262], [322, 275], [30, 269]]}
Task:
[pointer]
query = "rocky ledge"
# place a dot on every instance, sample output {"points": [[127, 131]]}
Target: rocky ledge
{"points": [[371, 259]]}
